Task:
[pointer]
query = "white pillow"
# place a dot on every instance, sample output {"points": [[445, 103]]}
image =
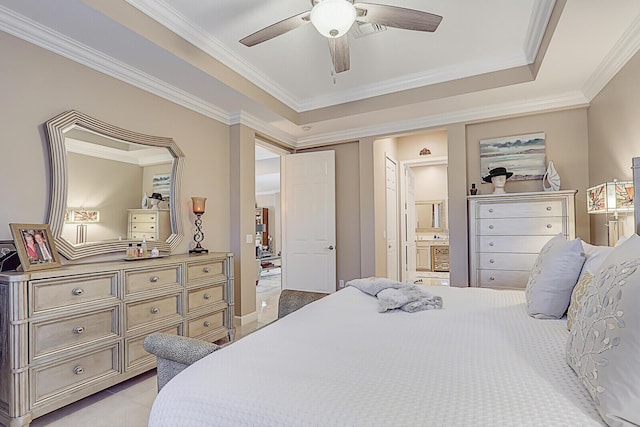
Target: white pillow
{"points": [[603, 347], [594, 257], [553, 277]]}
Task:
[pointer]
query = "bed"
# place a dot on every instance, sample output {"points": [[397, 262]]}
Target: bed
{"points": [[481, 360]]}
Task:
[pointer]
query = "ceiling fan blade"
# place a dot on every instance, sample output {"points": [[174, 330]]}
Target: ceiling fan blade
{"points": [[398, 17], [339, 48], [276, 29]]}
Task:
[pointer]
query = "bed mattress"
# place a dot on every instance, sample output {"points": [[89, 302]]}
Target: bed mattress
{"points": [[480, 361]]}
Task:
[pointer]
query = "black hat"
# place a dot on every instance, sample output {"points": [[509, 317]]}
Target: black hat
{"points": [[156, 196], [497, 172]]}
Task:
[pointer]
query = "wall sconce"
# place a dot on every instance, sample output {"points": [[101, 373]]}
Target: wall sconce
{"points": [[425, 152], [198, 210], [614, 197], [82, 217]]}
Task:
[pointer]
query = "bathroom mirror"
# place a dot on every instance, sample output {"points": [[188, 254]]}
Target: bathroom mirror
{"points": [[99, 176], [430, 215]]}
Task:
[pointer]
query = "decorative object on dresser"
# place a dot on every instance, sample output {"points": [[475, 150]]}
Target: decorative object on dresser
{"points": [[506, 233], [9, 259], [85, 154], [522, 154], [552, 177], [198, 209], [72, 331], [498, 177], [615, 197], [35, 246]]}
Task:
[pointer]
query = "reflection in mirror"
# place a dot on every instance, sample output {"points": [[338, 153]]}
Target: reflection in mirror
{"points": [[429, 215], [100, 177]]}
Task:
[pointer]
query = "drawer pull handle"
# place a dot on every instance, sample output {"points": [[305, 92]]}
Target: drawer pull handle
{"points": [[492, 278], [206, 296], [78, 370], [491, 227], [549, 225], [206, 270], [491, 243], [492, 261], [155, 310], [152, 227], [207, 324], [491, 210], [548, 208], [153, 279], [78, 330], [77, 291]]}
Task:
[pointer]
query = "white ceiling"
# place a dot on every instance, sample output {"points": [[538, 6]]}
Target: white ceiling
{"points": [[398, 78]]}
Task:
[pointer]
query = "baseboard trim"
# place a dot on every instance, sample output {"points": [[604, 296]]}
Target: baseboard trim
{"points": [[247, 318]]}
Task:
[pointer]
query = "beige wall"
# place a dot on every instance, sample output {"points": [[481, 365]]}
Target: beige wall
{"points": [[614, 136], [566, 144]]}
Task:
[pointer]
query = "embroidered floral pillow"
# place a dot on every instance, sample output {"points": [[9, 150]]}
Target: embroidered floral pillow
{"points": [[576, 296], [603, 347]]}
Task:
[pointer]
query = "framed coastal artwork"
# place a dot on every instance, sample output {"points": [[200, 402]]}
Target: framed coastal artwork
{"points": [[35, 246], [524, 155], [162, 185]]}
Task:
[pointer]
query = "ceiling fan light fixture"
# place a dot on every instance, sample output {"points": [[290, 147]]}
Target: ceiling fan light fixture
{"points": [[333, 18]]}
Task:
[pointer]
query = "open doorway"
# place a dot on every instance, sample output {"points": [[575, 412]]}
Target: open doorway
{"points": [[268, 232]]}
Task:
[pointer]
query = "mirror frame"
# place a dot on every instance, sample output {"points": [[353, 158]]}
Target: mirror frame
{"points": [[430, 202], [56, 128]]}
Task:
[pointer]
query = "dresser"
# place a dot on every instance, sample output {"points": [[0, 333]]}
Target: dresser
{"points": [[507, 231], [72, 331], [151, 224]]}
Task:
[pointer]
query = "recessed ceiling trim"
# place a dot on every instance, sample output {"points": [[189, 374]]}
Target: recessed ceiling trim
{"points": [[538, 24], [534, 105], [242, 117], [621, 53], [51, 40]]}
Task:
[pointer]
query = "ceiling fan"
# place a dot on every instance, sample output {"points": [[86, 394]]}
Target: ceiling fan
{"points": [[334, 18]]}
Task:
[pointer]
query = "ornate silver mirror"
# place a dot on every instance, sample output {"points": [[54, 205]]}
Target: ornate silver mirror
{"points": [[100, 175]]}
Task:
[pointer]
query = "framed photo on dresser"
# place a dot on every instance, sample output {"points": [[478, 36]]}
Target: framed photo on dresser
{"points": [[35, 246]]}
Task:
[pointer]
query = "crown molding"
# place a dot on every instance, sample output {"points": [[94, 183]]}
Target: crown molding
{"points": [[509, 109], [53, 41], [538, 24], [260, 126], [621, 53]]}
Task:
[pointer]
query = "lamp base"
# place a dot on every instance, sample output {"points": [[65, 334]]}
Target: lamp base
{"points": [[199, 251]]}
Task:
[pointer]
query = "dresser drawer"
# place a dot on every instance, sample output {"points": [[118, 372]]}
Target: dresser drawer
{"points": [[520, 244], [137, 281], [49, 380], [202, 297], [505, 279], [52, 335], [204, 269], [206, 324], [521, 226], [134, 353], [149, 237], [522, 209], [505, 261], [48, 294], [151, 311], [144, 227], [143, 217]]}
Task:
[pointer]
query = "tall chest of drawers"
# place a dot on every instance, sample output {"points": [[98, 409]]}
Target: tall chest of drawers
{"points": [[154, 225], [507, 231], [72, 331]]}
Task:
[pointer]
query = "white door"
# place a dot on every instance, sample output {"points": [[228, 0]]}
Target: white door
{"points": [[391, 218], [308, 222], [409, 232]]}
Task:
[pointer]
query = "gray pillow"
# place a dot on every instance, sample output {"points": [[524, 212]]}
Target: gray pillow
{"points": [[553, 277], [603, 347]]}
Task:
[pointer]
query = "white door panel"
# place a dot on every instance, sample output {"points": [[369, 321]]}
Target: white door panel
{"points": [[392, 218], [309, 252]]}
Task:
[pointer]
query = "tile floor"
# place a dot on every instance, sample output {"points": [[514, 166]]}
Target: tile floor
{"points": [[128, 404]]}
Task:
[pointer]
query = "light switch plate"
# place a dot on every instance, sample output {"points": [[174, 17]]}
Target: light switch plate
{"points": [[249, 238]]}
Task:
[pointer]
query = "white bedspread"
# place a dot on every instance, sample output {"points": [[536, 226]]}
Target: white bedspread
{"points": [[480, 361]]}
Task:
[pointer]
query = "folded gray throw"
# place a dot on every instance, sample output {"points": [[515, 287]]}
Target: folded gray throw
{"points": [[392, 294]]}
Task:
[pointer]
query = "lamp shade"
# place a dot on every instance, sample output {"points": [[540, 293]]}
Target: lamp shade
{"points": [[333, 18], [198, 204], [610, 197]]}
